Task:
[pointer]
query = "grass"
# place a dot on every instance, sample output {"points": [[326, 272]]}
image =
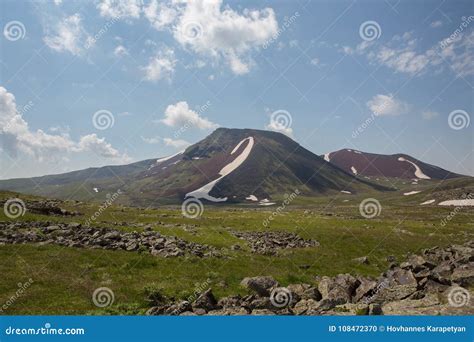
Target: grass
{"points": [[65, 278]]}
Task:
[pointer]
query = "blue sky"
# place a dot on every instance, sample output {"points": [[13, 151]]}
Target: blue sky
{"points": [[378, 76]]}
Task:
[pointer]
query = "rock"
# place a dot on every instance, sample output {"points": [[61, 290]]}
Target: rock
{"points": [[464, 275], [229, 312], [391, 258], [362, 260], [261, 285], [401, 284], [354, 309], [442, 273], [262, 312], [339, 288], [206, 301], [306, 307], [232, 301], [199, 311], [366, 287], [426, 305], [268, 243], [304, 291], [178, 308]]}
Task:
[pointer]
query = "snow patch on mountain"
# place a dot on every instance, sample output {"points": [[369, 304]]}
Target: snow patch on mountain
{"points": [[203, 192], [458, 203], [326, 157], [160, 160], [428, 202], [252, 198], [418, 173], [346, 192], [354, 170], [411, 193]]}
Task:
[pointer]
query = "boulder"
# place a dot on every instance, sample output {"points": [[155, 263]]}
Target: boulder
{"points": [[206, 301], [464, 275], [261, 285]]}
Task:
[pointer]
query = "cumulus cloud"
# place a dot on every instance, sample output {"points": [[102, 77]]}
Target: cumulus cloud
{"points": [[387, 105], [402, 54], [161, 66], [68, 35], [276, 126], [17, 137], [160, 14], [127, 9], [212, 30], [120, 51], [176, 143], [180, 114]]}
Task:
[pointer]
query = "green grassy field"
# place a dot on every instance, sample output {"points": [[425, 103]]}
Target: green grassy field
{"points": [[65, 278]]}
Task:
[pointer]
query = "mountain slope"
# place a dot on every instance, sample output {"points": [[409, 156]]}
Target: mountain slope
{"points": [[230, 165], [391, 166]]}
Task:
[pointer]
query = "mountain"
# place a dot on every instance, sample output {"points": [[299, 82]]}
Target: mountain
{"points": [[391, 166], [230, 165]]}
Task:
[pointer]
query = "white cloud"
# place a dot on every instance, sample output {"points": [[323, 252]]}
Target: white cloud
{"points": [[176, 143], [160, 14], [212, 30], [99, 146], [120, 50], [154, 140], [276, 126], [402, 55], [180, 114], [437, 23], [428, 114], [17, 137], [160, 66], [387, 105], [127, 9], [68, 35]]}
